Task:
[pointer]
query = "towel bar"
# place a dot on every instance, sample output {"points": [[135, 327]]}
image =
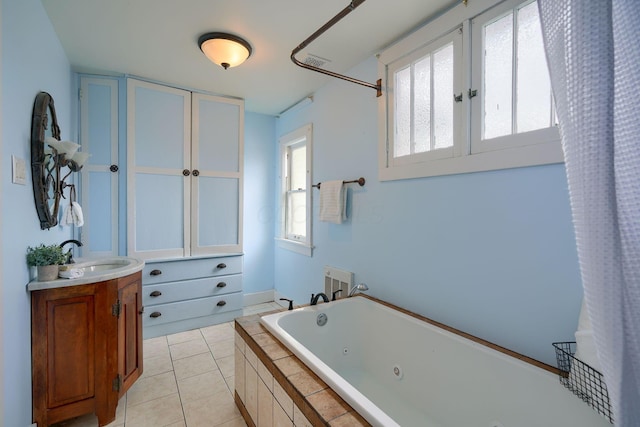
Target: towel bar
{"points": [[360, 181]]}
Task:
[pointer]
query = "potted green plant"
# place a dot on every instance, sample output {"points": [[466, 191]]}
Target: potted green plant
{"points": [[46, 258]]}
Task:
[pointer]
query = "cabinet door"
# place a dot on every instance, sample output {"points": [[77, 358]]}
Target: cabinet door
{"points": [[130, 330], [99, 176], [158, 156], [216, 153]]}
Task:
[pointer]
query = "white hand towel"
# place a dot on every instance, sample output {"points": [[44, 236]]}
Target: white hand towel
{"points": [[72, 215], [333, 201], [78, 217]]}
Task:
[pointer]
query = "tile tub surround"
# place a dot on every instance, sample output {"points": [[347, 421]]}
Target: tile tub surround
{"points": [[274, 388]]}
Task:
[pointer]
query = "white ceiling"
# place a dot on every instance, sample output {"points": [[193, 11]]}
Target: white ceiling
{"points": [[157, 40]]}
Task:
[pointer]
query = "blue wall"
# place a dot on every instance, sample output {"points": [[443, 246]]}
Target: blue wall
{"points": [[259, 187], [32, 60], [490, 253]]}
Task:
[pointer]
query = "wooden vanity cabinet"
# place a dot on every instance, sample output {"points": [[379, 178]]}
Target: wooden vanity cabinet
{"points": [[86, 348]]}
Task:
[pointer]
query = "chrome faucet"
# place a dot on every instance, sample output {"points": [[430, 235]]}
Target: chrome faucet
{"points": [[70, 259], [314, 298], [359, 288]]}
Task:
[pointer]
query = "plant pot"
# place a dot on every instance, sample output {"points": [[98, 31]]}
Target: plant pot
{"points": [[47, 273]]}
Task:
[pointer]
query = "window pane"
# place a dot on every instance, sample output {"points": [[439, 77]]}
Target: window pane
{"points": [[443, 97], [298, 159], [402, 137], [498, 60], [533, 85], [422, 105], [297, 214]]}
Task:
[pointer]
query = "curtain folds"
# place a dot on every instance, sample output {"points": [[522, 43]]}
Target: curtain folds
{"points": [[593, 52]]}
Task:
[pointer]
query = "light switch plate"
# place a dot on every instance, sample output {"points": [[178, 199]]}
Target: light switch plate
{"points": [[19, 168]]}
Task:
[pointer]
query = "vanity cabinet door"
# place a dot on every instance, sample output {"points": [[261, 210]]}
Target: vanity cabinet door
{"points": [[129, 331], [100, 175]]}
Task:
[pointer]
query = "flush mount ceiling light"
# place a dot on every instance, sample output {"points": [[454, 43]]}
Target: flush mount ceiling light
{"points": [[224, 49]]}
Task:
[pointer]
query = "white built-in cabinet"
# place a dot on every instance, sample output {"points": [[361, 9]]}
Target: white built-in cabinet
{"points": [[99, 177], [184, 172], [180, 191]]}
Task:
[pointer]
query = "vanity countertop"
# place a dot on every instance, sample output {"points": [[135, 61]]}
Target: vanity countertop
{"points": [[96, 270]]}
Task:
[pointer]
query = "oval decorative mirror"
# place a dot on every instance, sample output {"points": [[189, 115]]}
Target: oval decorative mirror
{"points": [[45, 169]]}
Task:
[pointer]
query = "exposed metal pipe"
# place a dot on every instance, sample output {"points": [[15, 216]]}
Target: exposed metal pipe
{"points": [[325, 27]]}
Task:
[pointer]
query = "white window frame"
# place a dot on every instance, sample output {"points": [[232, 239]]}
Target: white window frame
{"points": [[303, 135], [453, 38], [539, 147]]}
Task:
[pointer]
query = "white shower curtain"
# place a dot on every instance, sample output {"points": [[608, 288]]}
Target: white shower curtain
{"points": [[593, 50]]}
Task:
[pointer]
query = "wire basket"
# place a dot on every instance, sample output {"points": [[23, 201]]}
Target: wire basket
{"points": [[584, 381]]}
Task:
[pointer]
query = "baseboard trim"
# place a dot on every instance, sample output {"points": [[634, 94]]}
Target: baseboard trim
{"points": [[258, 297]]}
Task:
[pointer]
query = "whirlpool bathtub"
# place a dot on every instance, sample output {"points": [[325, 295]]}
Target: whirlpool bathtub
{"points": [[396, 369]]}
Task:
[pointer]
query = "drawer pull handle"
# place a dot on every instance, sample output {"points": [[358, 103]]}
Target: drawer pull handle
{"points": [[221, 265], [155, 294], [155, 314], [221, 285], [221, 303], [156, 272], [141, 310]]}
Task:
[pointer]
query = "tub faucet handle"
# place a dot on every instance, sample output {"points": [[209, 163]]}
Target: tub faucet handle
{"points": [[290, 302], [333, 297]]}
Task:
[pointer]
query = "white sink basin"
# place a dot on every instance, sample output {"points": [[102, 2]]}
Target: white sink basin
{"points": [[102, 265], [92, 270]]}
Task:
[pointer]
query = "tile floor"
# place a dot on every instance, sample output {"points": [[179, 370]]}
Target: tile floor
{"points": [[187, 381]]}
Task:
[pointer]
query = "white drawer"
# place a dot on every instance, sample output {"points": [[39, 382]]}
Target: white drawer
{"points": [[171, 312], [184, 269], [163, 293]]}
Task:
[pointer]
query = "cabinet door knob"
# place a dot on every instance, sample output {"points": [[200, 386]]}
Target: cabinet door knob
{"points": [[186, 172], [155, 294], [155, 314], [221, 285], [113, 168], [221, 303], [196, 172], [156, 272], [221, 265]]}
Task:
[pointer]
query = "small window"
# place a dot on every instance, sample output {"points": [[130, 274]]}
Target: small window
{"points": [[295, 158], [516, 105], [423, 86]]}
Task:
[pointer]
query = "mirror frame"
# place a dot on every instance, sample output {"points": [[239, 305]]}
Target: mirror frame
{"points": [[45, 172]]}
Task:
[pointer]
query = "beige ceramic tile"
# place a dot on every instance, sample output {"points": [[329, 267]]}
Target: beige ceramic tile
{"points": [[239, 365], [222, 348], [251, 391], [157, 365], [164, 411], [265, 405], [155, 347], [149, 388], [226, 366], [239, 342], [265, 375], [236, 422], [251, 358], [299, 420], [188, 348], [200, 386], [191, 335], [280, 418], [194, 365], [211, 410], [283, 398], [328, 404], [223, 334], [178, 424], [231, 383]]}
